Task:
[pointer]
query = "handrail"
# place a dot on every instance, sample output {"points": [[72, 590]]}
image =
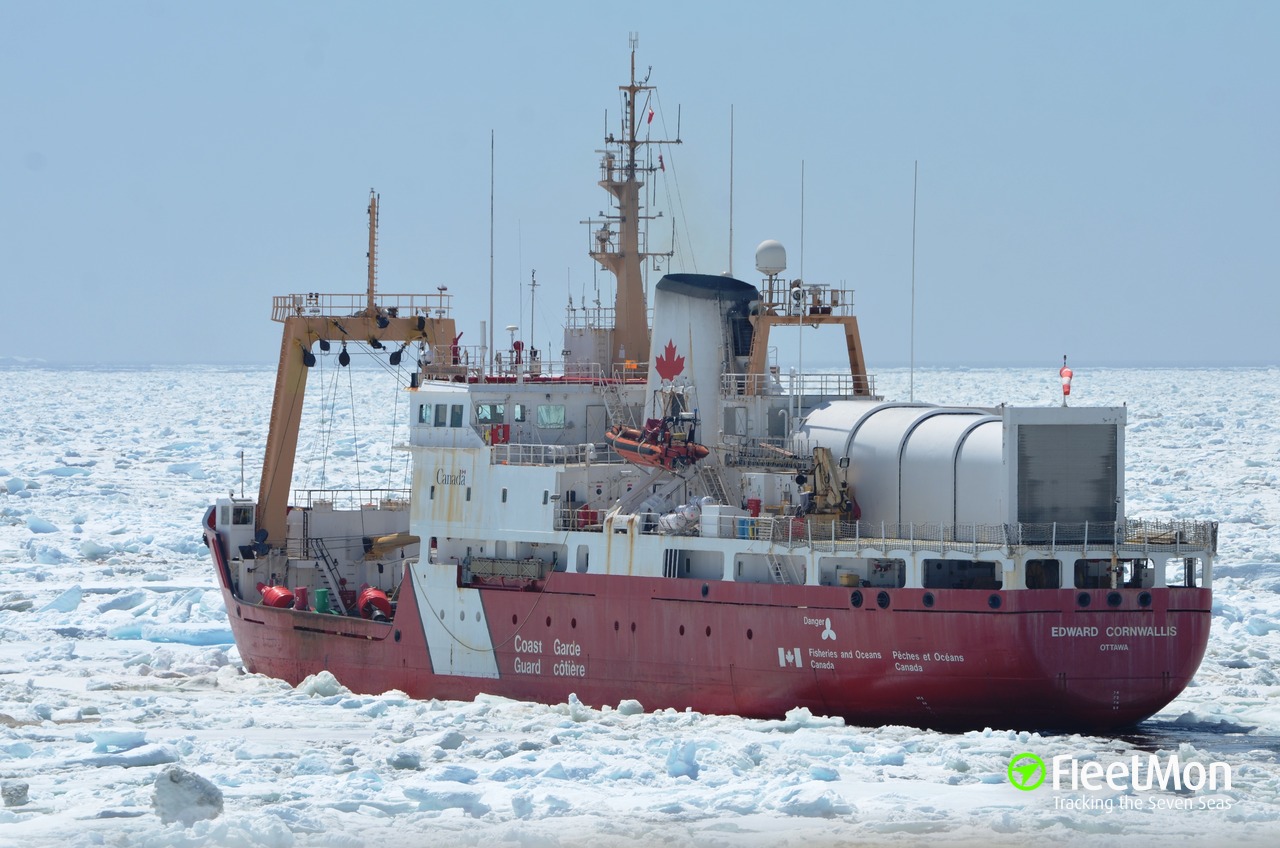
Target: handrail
{"points": [[1137, 537], [319, 305], [810, 385], [352, 499]]}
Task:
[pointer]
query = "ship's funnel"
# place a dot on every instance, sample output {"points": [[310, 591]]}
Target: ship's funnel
{"points": [[700, 324]]}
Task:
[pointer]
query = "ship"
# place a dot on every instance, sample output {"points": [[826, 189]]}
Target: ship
{"points": [[665, 514]]}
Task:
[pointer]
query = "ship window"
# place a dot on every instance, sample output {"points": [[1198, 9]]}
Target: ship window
{"points": [[519, 413], [546, 495], [242, 515], [551, 416], [442, 415], [960, 574], [433, 493], [424, 414], [455, 415], [1044, 574], [489, 413], [1093, 574], [468, 493], [504, 494]]}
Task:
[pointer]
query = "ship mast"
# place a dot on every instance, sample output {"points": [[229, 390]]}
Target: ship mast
{"points": [[622, 253]]}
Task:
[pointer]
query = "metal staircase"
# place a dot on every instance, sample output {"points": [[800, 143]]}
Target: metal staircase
{"points": [[329, 571], [777, 569], [615, 406], [711, 481]]}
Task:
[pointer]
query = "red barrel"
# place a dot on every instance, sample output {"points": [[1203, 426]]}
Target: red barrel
{"points": [[753, 507]]}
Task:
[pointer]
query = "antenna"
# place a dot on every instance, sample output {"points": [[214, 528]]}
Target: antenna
{"points": [[915, 182], [372, 255], [1064, 360], [533, 293], [802, 219], [730, 190], [485, 365]]}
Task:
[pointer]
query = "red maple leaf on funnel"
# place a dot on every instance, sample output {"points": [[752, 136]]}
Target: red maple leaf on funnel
{"points": [[668, 365]]}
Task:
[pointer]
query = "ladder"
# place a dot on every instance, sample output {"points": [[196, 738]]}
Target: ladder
{"points": [[329, 570], [711, 481], [777, 569], [615, 406], [667, 481]]}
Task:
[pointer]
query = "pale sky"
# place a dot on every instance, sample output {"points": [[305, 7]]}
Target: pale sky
{"points": [[1099, 179]]}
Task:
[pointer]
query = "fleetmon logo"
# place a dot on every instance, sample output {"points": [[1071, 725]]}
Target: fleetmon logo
{"points": [[1026, 771]]}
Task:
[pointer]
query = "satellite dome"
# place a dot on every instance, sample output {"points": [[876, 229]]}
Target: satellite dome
{"points": [[771, 258]]}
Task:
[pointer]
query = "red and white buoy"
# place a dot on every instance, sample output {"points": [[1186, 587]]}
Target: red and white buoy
{"points": [[1065, 373]]}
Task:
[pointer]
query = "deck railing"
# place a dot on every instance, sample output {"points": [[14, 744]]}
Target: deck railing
{"points": [[822, 533], [317, 305], [811, 387], [352, 499]]}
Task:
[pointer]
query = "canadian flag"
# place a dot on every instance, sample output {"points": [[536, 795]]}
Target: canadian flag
{"points": [[649, 120], [661, 165], [786, 658]]}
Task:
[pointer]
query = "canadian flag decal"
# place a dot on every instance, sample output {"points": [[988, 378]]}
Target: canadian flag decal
{"points": [[786, 657], [668, 365]]}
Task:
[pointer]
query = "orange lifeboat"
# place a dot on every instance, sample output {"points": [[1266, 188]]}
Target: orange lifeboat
{"points": [[655, 446]]}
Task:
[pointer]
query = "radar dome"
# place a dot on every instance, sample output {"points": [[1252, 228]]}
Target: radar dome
{"points": [[771, 258]]}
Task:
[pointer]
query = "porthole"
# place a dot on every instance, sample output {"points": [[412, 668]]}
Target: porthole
{"points": [[993, 601], [1083, 599], [462, 615], [682, 630], [882, 600], [514, 620], [856, 599], [1144, 599], [548, 621], [633, 627], [477, 616], [708, 630], [573, 622], [397, 636], [615, 627], [750, 635], [1114, 599], [705, 589], [928, 599]]}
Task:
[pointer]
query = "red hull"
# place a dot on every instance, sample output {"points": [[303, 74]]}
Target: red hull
{"points": [[730, 648]]}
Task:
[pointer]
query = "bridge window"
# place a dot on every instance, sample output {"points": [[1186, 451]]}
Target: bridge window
{"points": [[442, 415], [455, 415], [551, 416], [424, 414], [489, 413]]}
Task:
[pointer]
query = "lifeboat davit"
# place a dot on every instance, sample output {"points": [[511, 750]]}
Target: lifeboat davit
{"points": [[275, 596], [654, 446]]}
